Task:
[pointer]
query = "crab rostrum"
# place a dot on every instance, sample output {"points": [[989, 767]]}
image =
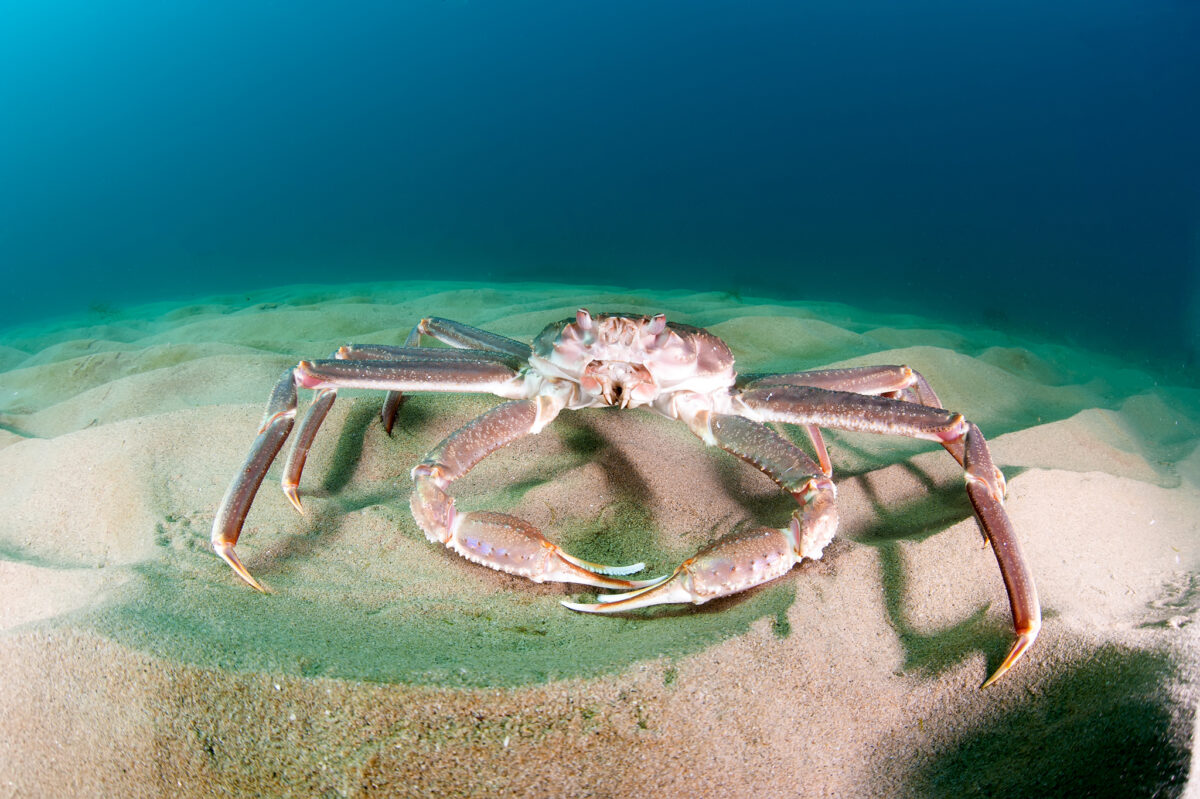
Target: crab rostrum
{"points": [[679, 371]]}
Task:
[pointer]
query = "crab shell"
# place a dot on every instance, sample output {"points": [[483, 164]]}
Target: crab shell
{"points": [[617, 360]]}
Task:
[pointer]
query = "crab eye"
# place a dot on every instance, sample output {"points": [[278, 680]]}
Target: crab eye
{"points": [[657, 324], [583, 319]]}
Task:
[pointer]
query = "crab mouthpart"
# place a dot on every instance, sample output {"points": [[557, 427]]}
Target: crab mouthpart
{"points": [[620, 383]]}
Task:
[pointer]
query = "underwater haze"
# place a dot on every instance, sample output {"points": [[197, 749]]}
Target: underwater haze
{"points": [[1022, 165], [195, 195]]}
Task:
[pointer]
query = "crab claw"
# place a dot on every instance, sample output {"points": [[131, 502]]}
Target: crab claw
{"points": [[668, 590], [600, 568], [512, 545], [553, 565], [732, 564]]}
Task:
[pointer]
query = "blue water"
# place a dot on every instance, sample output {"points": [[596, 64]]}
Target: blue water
{"points": [[1023, 164]]}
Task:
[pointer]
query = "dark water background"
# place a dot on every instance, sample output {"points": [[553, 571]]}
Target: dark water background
{"points": [[1024, 164]]}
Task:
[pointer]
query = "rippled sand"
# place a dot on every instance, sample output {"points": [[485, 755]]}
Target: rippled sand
{"points": [[136, 663]]}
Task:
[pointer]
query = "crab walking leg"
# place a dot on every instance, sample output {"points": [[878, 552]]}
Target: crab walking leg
{"points": [[901, 382], [319, 409], [988, 501], [898, 382], [985, 482], [394, 399], [455, 334], [301, 444], [412, 352], [742, 560], [406, 354], [426, 374], [845, 410], [277, 423], [497, 540], [486, 376]]}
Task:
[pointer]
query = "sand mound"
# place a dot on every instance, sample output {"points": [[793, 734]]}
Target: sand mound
{"points": [[136, 664]]}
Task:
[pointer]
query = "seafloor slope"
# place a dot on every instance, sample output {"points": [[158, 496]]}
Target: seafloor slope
{"points": [[135, 662]]}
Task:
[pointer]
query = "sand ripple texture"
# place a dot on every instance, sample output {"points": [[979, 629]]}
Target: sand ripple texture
{"points": [[136, 664]]}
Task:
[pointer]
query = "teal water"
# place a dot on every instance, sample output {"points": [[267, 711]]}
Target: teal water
{"points": [[1023, 165]]}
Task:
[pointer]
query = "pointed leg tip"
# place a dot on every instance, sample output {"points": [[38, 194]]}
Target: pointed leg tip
{"points": [[293, 494], [995, 676], [388, 413], [1023, 642], [253, 583], [229, 556]]}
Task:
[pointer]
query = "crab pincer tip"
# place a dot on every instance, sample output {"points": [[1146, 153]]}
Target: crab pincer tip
{"points": [[583, 607], [662, 591], [601, 568]]}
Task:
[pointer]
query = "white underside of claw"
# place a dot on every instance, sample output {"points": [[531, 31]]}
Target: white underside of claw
{"points": [[600, 568], [664, 591]]}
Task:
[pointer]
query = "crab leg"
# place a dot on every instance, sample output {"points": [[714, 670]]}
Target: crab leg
{"points": [[988, 500], [325, 397], [455, 334], [411, 351], [742, 560], [387, 352], [432, 373], [497, 540], [301, 444], [277, 423], [420, 375], [985, 483], [897, 382]]}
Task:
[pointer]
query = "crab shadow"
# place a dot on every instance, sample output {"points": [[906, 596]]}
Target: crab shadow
{"points": [[941, 505], [338, 494], [1104, 725], [333, 615], [320, 524], [333, 619], [625, 530], [348, 451]]}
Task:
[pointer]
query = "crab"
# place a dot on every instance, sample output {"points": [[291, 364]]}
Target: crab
{"points": [[627, 361]]}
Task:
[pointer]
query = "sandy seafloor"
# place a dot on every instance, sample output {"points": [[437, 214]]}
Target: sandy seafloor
{"points": [[136, 664]]}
